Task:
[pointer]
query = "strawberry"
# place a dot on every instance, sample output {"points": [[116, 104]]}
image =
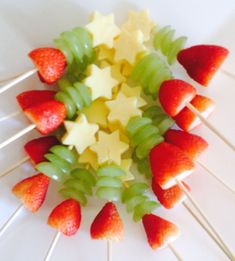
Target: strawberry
{"points": [[202, 61], [107, 224], [47, 116], [168, 162], [66, 217], [174, 94], [187, 120], [193, 145], [37, 148], [50, 63], [30, 98], [171, 197], [159, 231], [32, 191]]}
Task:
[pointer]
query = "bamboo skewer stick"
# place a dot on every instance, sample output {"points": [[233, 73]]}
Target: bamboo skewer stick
{"points": [[210, 126], [109, 250], [175, 252], [52, 246], [205, 218], [14, 166], [18, 79], [11, 115]]}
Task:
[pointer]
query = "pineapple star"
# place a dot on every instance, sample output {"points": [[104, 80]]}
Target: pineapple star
{"points": [[103, 29], [89, 157], [80, 133], [101, 82], [133, 92], [139, 21], [125, 165], [128, 46], [109, 147], [122, 109]]}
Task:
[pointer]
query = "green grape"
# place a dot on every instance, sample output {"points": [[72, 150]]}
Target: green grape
{"points": [[151, 72], [74, 96], [144, 167], [164, 41], [61, 160], [143, 135], [109, 185], [137, 202], [79, 185]]}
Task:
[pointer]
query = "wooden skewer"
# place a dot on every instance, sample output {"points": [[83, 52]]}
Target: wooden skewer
{"points": [[209, 125], [175, 252], [11, 115], [17, 135], [206, 229], [18, 79], [206, 220], [228, 187], [14, 166], [227, 73], [109, 250], [52, 246], [10, 220], [10, 78]]}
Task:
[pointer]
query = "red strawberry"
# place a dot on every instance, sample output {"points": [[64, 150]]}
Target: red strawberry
{"points": [[171, 197], [66, 217], [193, 145], [168, 162], [50, 63], [187, 120], [47, 116], [30, 98], [174, 94], [202, 61], [32, 191], [107, 224], [159, 231], [37, 148]]}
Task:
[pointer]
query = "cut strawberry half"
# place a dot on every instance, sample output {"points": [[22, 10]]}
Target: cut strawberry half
{"points": [[32, 191], [202, 61], [66, 217], [169, 198], [193, 145], [187, 120], [159, 231], [174, 94], [47, 116], [37, 148], [50, 63], [169, 163], [107, 224], [30, 98]]}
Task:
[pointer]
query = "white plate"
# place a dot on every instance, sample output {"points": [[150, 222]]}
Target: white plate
{"points": [[28, 24]]}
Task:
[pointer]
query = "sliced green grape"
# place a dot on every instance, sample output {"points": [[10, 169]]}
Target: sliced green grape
{"points": [[84, 174], [134, 190], [63, 152], [74, 194], [109, 181], [144, 208], [110, 194], [50, 170], [144, 167], [134, 201], [78, 185], [136, 124], [111, 171], [57, 161]]}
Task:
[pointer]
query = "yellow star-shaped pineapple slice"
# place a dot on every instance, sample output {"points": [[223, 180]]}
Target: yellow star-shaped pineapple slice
{"points": [[109, 147], [89, 157], [103, 29], [105, 53], [139, 21], [97, 112], [116, 72], [133, 92], [80, 133], [122, 109], [128, 45], [100, 82], [126, 165]]}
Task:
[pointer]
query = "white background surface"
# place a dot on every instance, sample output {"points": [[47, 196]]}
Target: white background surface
{"points": [[27, 24]]}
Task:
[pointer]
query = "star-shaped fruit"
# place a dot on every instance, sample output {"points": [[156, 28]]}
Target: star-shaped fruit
{"points": [[100, 81], [103, 29], [80, 133], [128, 45], [109, 147], [105, 53], [116, 72], [89, 157], [97, 112], [122, 109], [133, 92], [126, 165], [139, 21]]}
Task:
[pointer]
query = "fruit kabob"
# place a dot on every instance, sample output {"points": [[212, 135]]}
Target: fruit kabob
{"points": [[122, 107]]}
